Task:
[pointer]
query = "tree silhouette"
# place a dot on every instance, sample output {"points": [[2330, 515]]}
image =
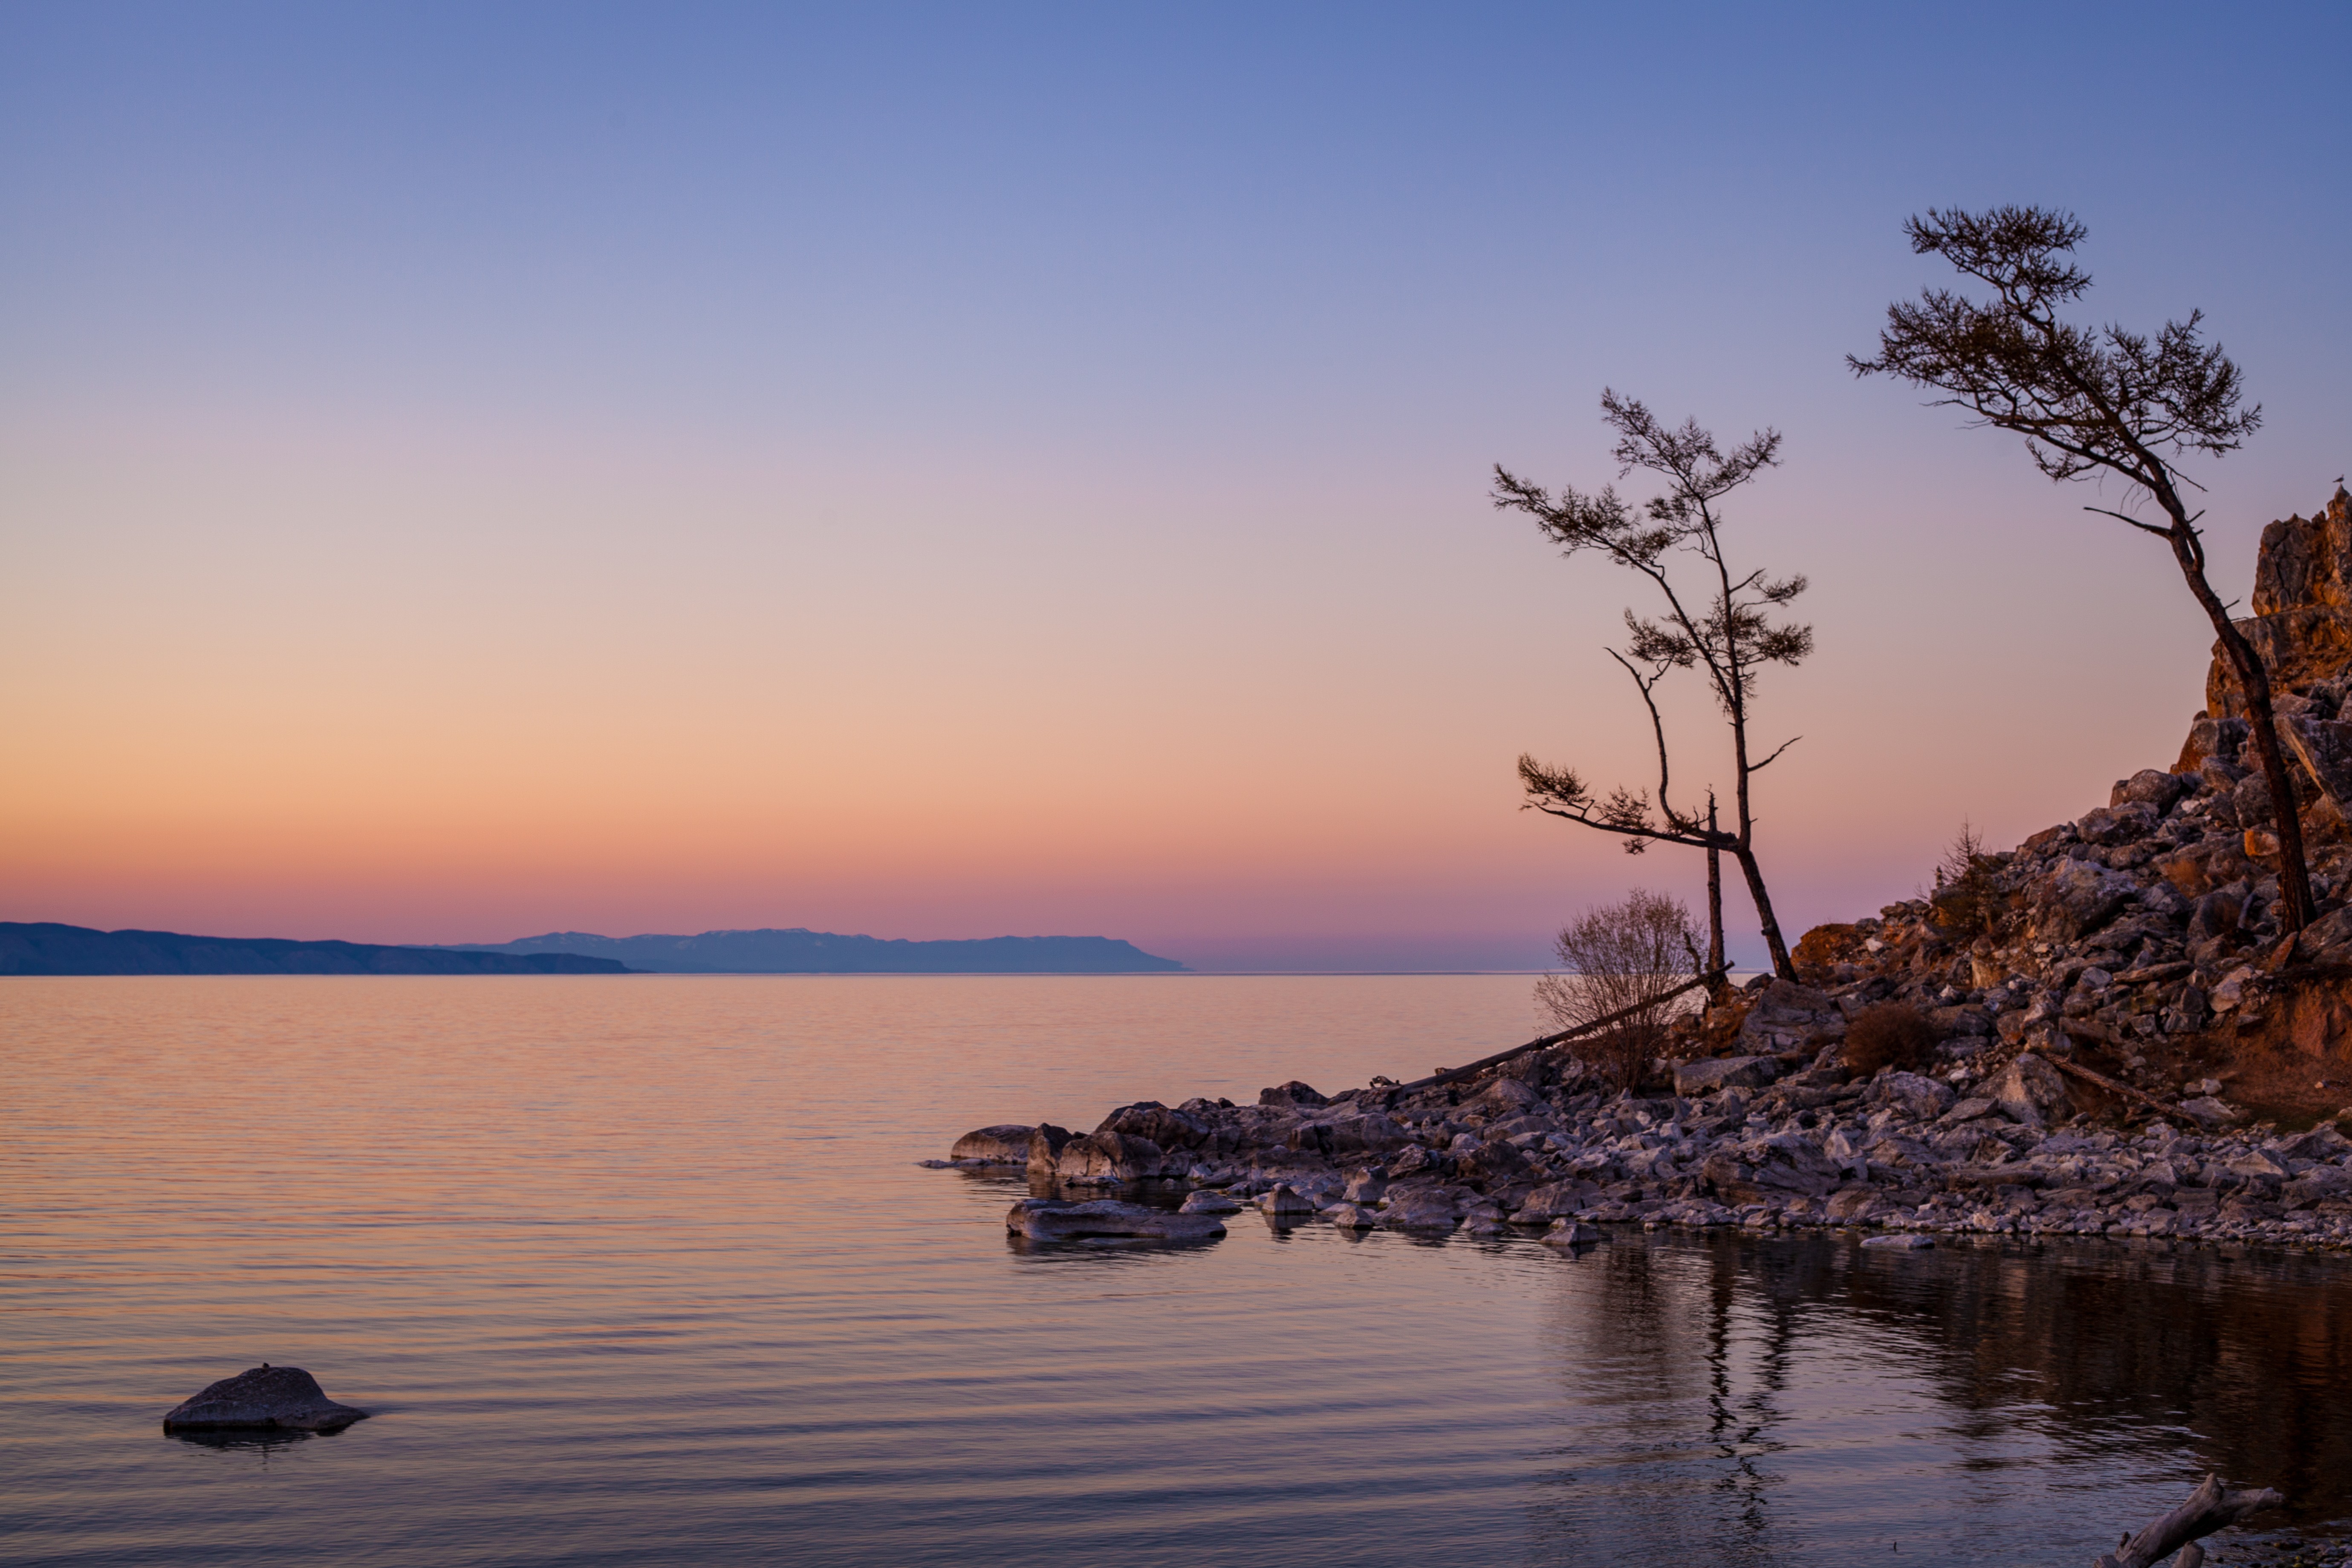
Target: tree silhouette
{"points": [[1726, 631], [2090, 401]]}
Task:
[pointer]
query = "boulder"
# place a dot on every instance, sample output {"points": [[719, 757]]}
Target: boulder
{"points": [[2150, 787], [1102, 1159], [1923, 1098], [2324, 746], [2077, 897], [1006, 1144], [1416, 1161], [1353, 1216], [2210, 1112], [1420, 1208], [1785, 1016], [1694, 1078], [1365, 1187], [1293, 1093], [2030, 1091], [1356, 1136], [1282, 1203], [2123, 824], [1506, 1096], [1052, 1219], [1046, 1144], [1492, 1164], [1210, 1202], [1151, 1119], [1572, 1233], [1557, 1201], [284, 1398]]}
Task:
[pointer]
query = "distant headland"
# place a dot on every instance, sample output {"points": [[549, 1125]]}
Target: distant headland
{"points": [[45, 947], [803, 952]]}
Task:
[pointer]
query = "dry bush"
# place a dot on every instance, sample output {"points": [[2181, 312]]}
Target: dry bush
{"points": [[1890, 1034], [1621, 958], [1966, 903]]}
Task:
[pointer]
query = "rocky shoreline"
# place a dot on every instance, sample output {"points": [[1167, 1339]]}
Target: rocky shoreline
{"points": [[2108, 1010], [1529, 1147]]}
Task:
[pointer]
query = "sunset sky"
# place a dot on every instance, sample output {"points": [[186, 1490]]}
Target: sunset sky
{"points": [[473, 470]]}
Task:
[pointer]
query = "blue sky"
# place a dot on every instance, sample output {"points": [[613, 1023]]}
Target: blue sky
{"points": [[1022, 469]]}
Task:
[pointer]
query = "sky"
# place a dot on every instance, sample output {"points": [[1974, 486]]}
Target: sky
{"points": [[474, 470]]}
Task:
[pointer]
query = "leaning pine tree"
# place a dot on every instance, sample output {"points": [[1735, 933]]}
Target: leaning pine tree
{"points": [[2091, 401], [1724, 628]]}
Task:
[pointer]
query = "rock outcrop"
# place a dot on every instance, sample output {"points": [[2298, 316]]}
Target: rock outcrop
{"points": [[2085, 995], [279, 1398]]}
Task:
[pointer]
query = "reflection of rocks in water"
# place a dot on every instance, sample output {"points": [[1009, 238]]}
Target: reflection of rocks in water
{"points": [[262, 1439], [1719, 1390], [2126, 1346]]}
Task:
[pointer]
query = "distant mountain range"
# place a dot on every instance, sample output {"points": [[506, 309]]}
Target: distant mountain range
{"points": [[803, 952], [45, 947]]}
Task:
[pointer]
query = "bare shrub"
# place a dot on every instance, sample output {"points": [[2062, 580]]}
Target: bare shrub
{"points": [[1621, 958], [1889, 1034], [1964, 902]]}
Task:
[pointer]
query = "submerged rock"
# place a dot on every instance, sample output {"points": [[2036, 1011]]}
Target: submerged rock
{"points": [[284, 1397], [1052, 1219]]}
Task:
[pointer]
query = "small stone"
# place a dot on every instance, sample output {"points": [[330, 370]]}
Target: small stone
{"points": [[1902, 1241]]}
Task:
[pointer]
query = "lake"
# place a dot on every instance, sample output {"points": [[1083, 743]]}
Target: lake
{"points": [[642, 1270]]}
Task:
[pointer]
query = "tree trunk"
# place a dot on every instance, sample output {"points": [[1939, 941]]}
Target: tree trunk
{"points": [[1714, 905], [2298, 907], [1782, 966]]}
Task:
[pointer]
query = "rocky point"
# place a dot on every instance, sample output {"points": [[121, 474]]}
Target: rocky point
{"points": [[2113, 1009]]}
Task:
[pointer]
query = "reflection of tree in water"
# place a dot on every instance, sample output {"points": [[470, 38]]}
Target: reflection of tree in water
{"points": [[2090, 1365], [1674, 1362]]}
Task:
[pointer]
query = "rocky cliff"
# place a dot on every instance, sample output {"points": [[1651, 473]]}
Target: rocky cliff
{"points": [[2141, 940]]}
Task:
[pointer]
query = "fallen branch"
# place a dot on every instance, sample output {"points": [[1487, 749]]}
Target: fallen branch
{"points": [[1456, 1074], [2209, 1509], [2101, 1079]]}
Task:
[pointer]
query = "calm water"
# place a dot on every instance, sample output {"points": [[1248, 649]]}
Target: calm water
{"points": [[641, 1271]]}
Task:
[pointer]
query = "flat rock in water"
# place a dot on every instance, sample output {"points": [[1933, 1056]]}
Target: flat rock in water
{"points": [[284, 1397], [1902, 1241], [1006, 1144], [1053, 1219], [1570, 1232], [1210, 1202]]}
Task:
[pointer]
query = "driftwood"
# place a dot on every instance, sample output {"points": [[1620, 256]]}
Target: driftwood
{"points": [[2101, 1079], [2209, 1509], [1456, 1074]]}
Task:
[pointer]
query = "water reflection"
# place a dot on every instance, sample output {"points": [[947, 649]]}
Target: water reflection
{"points": [[1736, 1399]]}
